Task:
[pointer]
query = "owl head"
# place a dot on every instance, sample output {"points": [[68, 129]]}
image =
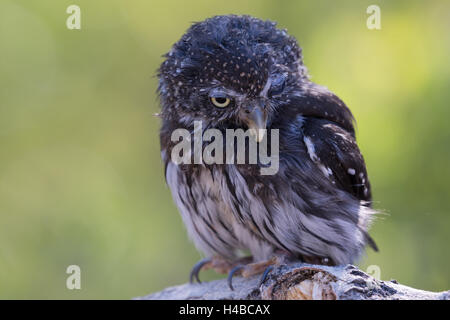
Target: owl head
{"points": [[230, 72]]}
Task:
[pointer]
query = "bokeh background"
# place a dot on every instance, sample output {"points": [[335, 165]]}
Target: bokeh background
{"points": [[81, 181]]}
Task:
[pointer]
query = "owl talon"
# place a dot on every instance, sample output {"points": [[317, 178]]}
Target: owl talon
{"points": [[238, 268], [196, 270], [265, 274]]}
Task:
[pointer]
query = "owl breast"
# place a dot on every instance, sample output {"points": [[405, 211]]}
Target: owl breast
{"points": [[206, 199]]}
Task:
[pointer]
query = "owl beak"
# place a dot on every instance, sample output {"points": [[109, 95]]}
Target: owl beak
{"points": [[255, 118]]}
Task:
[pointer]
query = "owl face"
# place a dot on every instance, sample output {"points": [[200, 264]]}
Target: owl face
{"points": [[230, 72]]}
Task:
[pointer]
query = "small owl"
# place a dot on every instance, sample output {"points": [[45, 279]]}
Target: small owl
{"points": [[232, 72]]}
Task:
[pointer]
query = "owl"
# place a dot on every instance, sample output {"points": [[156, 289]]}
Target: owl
{"points": [[239, 72]]}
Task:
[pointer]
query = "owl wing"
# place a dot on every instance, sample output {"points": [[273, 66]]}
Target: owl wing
{"points": [[336, 153]]}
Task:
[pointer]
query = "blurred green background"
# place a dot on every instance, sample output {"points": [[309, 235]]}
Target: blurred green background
{"points": [[81, 180]]}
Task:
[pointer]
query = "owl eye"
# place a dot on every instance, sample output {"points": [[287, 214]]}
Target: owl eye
{"points": [[220, 102]]}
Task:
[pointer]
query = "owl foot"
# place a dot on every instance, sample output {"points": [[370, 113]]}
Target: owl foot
{"points": [[248, 270], [220, 265]]}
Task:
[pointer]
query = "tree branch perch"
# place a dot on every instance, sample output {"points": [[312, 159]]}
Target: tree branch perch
{"points": [[301, 282]]}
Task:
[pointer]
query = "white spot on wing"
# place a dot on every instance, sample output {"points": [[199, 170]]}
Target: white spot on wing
{"points": [[326, 171], [311, 149], [312, 154]]}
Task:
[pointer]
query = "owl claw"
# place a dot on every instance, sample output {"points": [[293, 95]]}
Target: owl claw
{"points": [[196, 270], [265, 274], [231, 274]]}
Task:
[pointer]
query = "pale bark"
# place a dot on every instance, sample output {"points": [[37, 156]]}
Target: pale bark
{"points": [[301, 281]]}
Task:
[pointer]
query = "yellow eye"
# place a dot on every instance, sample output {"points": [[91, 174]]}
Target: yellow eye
{"points": [[220, 102]]}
